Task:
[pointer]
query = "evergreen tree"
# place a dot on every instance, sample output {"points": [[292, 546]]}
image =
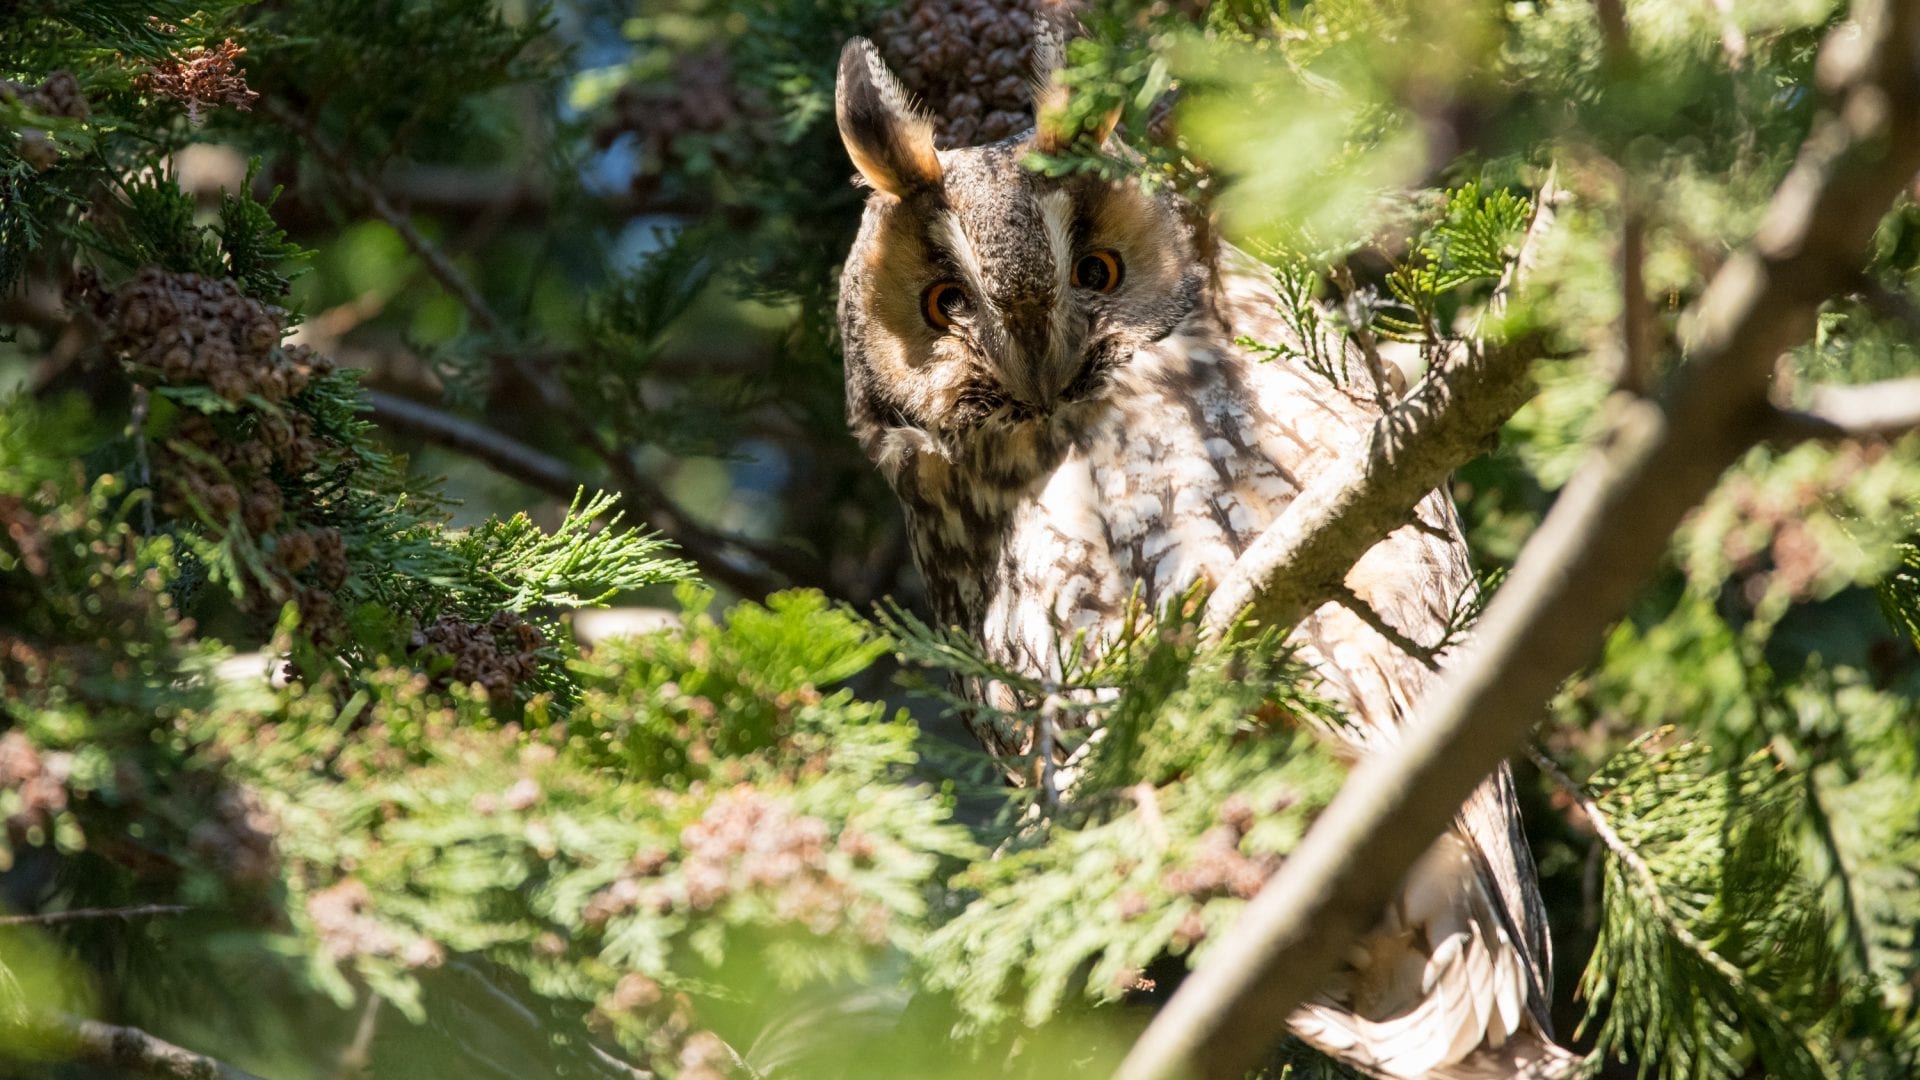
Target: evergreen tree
{"points": [[354, 348]]}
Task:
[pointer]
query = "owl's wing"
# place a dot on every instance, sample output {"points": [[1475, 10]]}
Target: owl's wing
{"points": [[1454, 982]]}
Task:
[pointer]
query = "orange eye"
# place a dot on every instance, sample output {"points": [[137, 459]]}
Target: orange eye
{"points": [[942, 303], [1099, 271]]}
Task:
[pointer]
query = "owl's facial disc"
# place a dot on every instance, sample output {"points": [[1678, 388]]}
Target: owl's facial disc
{"points": [[982, 294], [1011, 247]]}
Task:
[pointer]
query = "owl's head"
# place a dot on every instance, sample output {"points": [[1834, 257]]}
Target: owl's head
{"points": [[981, 293]]}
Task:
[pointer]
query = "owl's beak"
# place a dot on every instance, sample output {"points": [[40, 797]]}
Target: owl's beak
{"points": [[1039, 363]]}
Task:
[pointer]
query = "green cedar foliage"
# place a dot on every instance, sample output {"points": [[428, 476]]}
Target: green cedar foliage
{"points": [[255, 681]]}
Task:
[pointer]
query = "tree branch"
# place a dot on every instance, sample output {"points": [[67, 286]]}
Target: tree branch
{"points": [[503, 453], [738, 563], [1580, 571], [1867, 411], [750, 569], [126, 1051], [1301, 559], [48, 918]]}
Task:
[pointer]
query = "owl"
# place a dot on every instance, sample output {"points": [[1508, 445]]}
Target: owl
{"points": [[1045, 370]]}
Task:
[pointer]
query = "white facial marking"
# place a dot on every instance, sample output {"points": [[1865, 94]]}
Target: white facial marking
{"points": [[1056, 213], [961, 248]]}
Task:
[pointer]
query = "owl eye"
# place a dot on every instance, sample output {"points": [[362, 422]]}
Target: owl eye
{"points": [[1099, 271], [942, 303]]}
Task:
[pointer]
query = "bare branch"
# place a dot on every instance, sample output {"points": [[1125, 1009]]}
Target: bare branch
{"points": [[1637, 334], [1299, 562], [1616, 42], [506, 455], [1868, 411], [1580, 571], [49, 918], [1365, 612], [751, 569], [357, 1058], [436, 262], [742, 565], [126, 1051]]}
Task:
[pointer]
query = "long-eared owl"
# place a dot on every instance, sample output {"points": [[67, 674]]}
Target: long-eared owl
{"points": [[1046, 372]]}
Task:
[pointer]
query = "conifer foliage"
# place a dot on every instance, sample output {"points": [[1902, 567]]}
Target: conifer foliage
{"points": [[492, 313]]}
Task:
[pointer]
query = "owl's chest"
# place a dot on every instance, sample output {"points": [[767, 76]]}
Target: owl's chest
{"points": [[1161, 485]]}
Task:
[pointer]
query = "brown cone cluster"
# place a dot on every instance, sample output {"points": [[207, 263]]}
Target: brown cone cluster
{"points": [[59, 96], [499, 654], [33, 786], [199, 78], [238, 838], [670, 1025], [343, 918], [231, 476], [748, 841], [968, 62], [188, 329], [195, 329], [700, 101]]}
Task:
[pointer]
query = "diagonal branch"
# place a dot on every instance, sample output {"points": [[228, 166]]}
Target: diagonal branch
{"points": [[1870, 410], [751, 569], [742, 565], [125, 1051], [1580, 571], [1300, 561], [506, 455], [48, 918]]}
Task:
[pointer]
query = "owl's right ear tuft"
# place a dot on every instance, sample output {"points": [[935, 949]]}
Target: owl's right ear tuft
{"points": [[890, 141]]}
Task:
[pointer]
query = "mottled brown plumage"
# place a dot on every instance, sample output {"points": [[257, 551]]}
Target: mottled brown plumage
{"points": [[1063, 439]]}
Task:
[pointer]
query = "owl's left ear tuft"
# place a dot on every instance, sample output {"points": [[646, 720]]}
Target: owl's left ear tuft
{"points": [[1053, 128], [889, 140]]}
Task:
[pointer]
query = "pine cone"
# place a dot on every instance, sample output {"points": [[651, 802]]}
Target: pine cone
{"points": [[499, 654], [969, 62], [191, 328], [700, 100]]}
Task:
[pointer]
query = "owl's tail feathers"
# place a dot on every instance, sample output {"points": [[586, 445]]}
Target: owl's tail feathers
{"points": [[1528, 1055], [1441, 988]]}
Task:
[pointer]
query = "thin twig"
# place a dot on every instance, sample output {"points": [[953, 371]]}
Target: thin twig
{"points": [[1365, 612], [1616, 42], [358, 1055], [1867, 411], [1579, 573], [142, 464], [1048, 724], [506, 455], [1649, 882], [49, 918], [1637, 337], [751, 569], [1385, 388], [430, 256], [126, 1051]]}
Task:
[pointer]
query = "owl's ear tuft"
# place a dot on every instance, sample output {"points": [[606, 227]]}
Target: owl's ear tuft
{"points": [[889, 140], [1054, 128]]}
